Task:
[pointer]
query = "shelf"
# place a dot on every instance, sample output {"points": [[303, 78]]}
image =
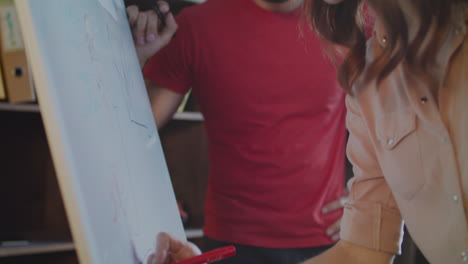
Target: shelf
{"points": [[35, 248], [34, 108], [19, 107], [31, 248], [192, 233], [188, 116]]}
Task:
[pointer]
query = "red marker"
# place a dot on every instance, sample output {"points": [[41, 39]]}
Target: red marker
{"points": [[210, 256]]}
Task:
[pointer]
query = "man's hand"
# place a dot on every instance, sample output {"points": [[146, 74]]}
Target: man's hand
{"points": [[148, 39], [334, 230], [169, 249]]}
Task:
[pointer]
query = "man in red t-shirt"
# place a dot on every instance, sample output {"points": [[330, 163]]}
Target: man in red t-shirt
{"points": [[274, 116]]}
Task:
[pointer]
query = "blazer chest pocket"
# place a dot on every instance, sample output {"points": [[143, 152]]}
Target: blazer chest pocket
{"points": [[399, 154]]}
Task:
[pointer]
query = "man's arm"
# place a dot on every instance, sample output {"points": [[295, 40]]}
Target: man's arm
{"points": [[149, 38], [164, 102]]}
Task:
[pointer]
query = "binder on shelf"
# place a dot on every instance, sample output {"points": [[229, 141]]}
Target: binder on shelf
{"points": [[16, 71], [2, 86], [190, 103], [182, 105]]}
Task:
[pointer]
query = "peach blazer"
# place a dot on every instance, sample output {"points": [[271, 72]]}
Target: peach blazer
{"points": [[406, 162]]}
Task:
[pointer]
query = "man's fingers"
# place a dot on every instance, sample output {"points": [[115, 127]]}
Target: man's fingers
{"points": [[151, 27], [140, 29], [335, 205], [163, 6], [336, 237], [132, 13], [170, 29], [334, 230], [331, 207]]}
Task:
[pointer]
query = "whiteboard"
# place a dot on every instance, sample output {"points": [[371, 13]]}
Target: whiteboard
{"points": [[100, 128]]}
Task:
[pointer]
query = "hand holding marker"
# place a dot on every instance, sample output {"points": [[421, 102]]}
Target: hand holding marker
{"points": [[210, 256]]}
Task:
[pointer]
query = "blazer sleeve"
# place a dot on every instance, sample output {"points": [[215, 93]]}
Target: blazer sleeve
{"points": [[371, 218]]}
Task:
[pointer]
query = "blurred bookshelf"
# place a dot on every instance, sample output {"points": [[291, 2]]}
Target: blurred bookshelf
{"points": [[22, 248], [34, 108], [33, 248]]}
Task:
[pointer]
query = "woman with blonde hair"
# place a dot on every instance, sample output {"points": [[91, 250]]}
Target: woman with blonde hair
{"points": [[408, 120]]}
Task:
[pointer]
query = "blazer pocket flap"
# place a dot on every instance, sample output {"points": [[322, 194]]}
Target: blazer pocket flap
{"points": [[392, 128]]}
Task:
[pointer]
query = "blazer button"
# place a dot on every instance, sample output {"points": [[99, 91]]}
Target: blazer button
{"points": [[455, 198], [423, 100], [390, 141]]}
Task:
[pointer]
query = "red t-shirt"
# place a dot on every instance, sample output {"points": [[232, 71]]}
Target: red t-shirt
{"points": [[275, 119]]}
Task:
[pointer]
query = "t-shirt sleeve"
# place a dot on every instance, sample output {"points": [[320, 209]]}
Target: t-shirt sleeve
{"points": [[171, 67]]}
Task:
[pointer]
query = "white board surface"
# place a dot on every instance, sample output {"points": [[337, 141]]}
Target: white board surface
{"points": [[100, 128]]}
